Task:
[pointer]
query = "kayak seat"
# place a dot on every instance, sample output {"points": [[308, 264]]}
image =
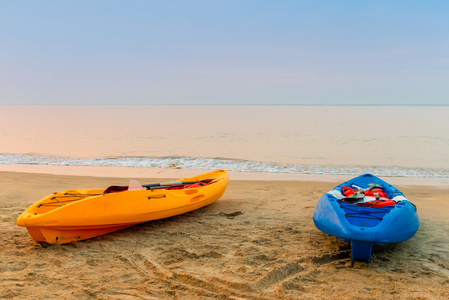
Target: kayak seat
{"points": [[134, 185], [115, 189]]}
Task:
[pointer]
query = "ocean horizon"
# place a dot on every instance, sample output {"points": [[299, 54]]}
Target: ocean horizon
{"points": [[242, 104]]}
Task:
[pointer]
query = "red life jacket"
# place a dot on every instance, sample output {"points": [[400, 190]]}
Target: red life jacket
{"points": [[376, 192], [349, 192], [380, 196], [378, 203]]}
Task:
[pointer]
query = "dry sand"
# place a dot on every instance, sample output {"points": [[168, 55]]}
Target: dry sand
{"points": [[271, 251]]}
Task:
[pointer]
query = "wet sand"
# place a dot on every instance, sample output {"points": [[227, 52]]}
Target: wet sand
{"points": [[270, 251]]}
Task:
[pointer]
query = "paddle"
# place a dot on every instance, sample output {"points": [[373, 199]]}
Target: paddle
{"points": [[154, 186], [175, 183]]}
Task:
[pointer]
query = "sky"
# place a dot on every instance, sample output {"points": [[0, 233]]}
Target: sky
{"points": [[288, 52]]}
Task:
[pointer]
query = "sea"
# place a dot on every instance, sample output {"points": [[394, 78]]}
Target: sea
{"points": [[395, 141]]}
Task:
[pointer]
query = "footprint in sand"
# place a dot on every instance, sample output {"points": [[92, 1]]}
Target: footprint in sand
{"points": [[16, 265]]}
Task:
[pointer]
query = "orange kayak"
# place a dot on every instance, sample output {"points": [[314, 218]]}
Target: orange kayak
{"points": [[80, 214]]}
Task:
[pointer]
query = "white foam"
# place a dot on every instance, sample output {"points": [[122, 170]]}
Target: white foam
{"points": [[221, 163]]}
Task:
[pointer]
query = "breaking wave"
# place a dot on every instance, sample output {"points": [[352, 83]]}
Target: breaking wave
{"points": [[220, 163]]}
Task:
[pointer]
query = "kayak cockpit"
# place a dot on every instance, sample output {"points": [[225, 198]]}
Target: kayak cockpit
{"points": [[364, 216]]}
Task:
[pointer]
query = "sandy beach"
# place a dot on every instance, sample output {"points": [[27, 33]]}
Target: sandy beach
{"points": [[270, 251], [291, 98]]}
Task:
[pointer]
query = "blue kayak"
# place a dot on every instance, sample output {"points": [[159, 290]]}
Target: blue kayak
{"points": [[348, 213]]}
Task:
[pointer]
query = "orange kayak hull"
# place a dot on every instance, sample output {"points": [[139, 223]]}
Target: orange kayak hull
{"points": [[81, 214]]}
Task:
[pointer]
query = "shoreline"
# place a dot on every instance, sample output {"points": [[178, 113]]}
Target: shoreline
{"points": [[172, 173]]}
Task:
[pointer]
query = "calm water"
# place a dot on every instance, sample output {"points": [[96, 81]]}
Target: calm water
{"points": [[384, 140]]}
